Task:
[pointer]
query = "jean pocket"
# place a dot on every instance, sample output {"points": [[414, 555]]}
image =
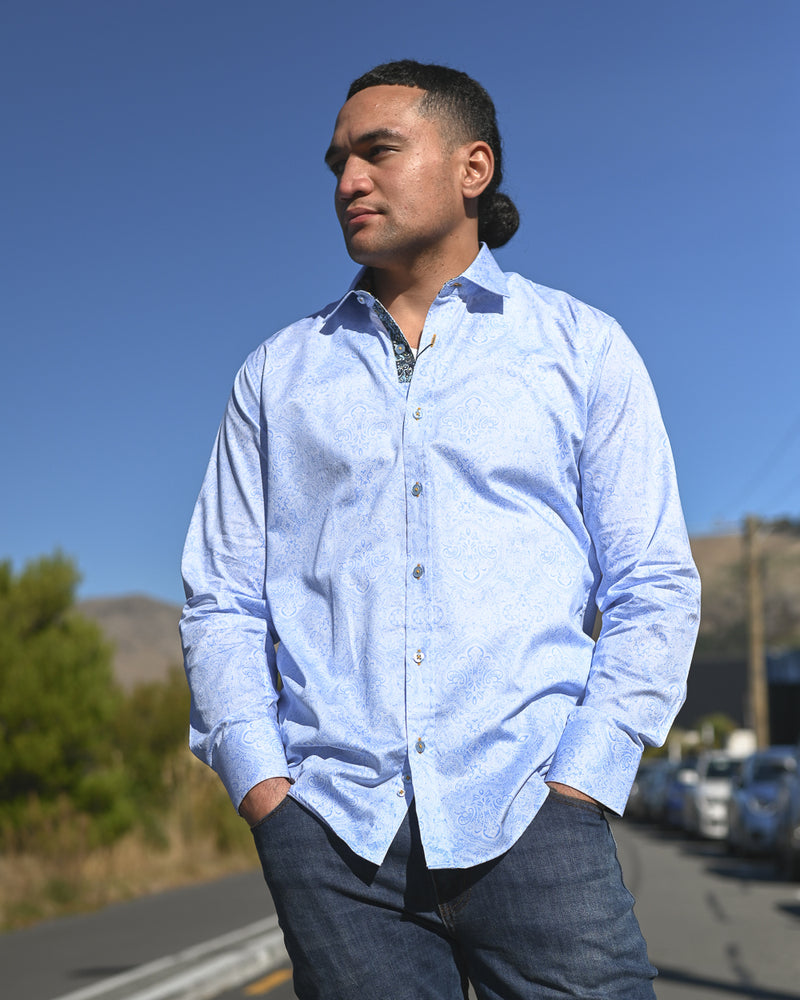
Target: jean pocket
{"points": [[271, 814]]}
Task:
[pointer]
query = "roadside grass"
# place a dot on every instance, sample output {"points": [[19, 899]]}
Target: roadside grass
{"points": [[51, 870]]}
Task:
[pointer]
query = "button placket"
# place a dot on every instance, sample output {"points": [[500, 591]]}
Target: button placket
{"points": [[420, 694]]}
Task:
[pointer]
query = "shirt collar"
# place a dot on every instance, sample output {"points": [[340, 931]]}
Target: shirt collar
{"points": [[483, 274]]}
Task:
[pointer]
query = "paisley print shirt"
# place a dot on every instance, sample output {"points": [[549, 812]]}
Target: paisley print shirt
{"points": [[394, 567]]}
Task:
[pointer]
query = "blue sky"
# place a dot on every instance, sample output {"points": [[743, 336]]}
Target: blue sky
{"points": [[165, 208]]}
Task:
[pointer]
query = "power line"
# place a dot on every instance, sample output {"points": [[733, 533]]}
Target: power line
{"points": [[769, 462]]}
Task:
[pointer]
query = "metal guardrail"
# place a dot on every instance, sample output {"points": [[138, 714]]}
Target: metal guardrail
{"points": [[200, 972]]}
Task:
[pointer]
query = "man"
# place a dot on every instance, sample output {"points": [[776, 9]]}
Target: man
{"points": [[422, 494]]}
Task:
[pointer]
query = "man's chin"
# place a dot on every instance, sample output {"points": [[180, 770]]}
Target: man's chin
{"points": [[363, 253]]}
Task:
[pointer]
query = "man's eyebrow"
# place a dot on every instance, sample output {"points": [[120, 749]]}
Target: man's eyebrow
{"points": [[364, 139]]}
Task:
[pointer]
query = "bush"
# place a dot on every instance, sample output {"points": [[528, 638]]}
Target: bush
{"points": [[57, 697]]}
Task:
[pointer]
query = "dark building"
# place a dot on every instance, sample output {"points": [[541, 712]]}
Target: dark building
{"points": [[722, 686], [783, 677]]}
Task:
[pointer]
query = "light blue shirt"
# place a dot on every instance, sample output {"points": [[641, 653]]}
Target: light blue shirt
{"points": [[429, 555]]}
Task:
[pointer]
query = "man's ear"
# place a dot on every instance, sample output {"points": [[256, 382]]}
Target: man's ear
{"points": [[478, 168]]}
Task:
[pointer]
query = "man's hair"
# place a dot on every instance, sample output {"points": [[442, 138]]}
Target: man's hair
{"points": [[466, 113]]}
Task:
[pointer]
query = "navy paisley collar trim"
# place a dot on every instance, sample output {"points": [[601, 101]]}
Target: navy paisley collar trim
{"points": [[403, 355]]}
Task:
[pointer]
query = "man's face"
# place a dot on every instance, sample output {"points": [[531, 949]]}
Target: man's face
{"points": [[398, 193]]}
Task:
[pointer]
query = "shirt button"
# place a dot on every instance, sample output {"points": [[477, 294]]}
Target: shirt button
{"points": [[418, 413], [420, 746], [401, 792], [361, 299], [418, 571], [406, 777], [419, 656], [416, 489]]}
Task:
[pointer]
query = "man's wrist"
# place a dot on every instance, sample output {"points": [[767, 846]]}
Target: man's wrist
{"points": [[263, 798], [568, 790]]}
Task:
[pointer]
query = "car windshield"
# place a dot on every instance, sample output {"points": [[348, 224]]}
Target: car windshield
{"points": [[769, 770], [721, 768]]}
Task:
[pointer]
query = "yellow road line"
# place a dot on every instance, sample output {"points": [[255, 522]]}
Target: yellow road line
{"points": [[268, 983]]}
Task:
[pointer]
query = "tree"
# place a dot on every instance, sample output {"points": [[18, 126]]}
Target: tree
{"points": [[151, 731], [57, 697]]}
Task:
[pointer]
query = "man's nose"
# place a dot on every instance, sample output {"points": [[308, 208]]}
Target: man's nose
{"points": [[354, 179]]}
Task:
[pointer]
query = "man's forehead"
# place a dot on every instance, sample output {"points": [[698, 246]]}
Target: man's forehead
{"points": [[384, 106]]}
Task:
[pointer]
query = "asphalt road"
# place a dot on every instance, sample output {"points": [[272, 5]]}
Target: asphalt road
{"points": [[59, 957], [717, 928]]}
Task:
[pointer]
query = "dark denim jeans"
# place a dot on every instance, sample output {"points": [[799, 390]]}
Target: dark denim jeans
{"points": [[550, 918]]}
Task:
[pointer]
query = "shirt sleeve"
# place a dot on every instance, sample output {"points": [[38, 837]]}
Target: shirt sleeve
{"points": [[227, 634], [649, 592]]}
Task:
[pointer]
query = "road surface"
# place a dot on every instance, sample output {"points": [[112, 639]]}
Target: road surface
{"points": [[718, 928]]}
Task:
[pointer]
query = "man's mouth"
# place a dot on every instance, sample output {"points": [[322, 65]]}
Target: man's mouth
{"points": [[355, 216]]}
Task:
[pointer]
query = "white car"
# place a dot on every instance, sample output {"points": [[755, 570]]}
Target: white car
{"points": [[705, 807]]}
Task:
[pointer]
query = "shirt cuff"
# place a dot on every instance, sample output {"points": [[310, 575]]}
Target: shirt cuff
{"points": [[246, 753], [597, 757]]}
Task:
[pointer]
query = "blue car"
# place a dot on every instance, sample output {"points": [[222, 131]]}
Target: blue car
{"points": [[753, 807]]}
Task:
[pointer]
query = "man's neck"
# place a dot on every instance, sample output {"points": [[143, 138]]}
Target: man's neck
{"points": [[407, 293]]}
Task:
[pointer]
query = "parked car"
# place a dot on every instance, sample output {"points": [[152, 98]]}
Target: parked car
{"points": [[636, 807], [753, 806], [655, 791], [787, 835], [679, 781], [705, 805], [646, 801]]}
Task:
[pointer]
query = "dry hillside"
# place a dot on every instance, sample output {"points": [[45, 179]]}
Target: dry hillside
{"points": [[143, 632], [721, 562]]}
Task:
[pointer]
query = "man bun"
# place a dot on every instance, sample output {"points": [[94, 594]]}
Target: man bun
{"points": [[498, 219]]}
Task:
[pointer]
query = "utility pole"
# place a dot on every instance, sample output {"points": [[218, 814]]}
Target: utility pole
{"points": [[756, 658]]}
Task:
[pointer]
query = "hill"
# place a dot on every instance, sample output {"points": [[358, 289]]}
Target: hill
{"points": [[721, 563], [144, 633]]}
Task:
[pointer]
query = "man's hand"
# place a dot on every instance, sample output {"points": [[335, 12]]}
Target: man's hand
{"points": [[263, 798], [571, 792]]}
